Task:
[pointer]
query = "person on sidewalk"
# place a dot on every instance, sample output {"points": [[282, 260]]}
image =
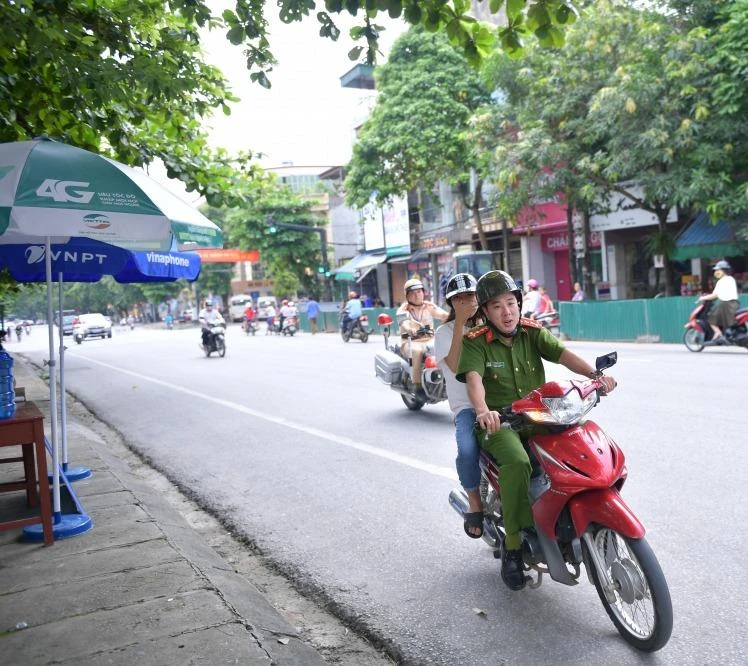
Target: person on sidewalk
{"points": [[502, 361], [726, 292], [312, 313], [579, 294], [463, 308], [415, 318]]}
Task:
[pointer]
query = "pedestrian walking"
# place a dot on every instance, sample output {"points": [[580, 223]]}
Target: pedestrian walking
{"points": [[312, 313]]}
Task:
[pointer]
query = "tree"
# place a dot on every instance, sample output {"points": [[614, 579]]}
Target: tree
{"points": [[290, 256], [418, 131], [620, 105]]}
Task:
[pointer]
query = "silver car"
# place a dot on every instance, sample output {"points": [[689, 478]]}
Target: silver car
{"points": [[91, 325]]}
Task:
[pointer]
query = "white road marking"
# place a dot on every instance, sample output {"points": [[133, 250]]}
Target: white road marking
{"points": [[279, 420]]}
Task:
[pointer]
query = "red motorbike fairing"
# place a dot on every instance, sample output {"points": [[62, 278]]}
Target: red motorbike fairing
{"points": [[605, 507], [576, 460], [579, 458]]}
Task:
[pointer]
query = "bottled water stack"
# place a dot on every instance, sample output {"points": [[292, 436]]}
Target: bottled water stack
{"points": [[7, 392]]}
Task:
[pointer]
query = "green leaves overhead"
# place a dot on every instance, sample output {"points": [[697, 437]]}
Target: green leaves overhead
{"points": [[427, 93]]}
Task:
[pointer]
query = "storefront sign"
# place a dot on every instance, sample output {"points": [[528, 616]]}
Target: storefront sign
{"points": [[559, 241]]}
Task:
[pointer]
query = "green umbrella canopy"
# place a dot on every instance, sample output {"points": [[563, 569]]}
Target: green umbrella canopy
{"points": [[48, 188]]}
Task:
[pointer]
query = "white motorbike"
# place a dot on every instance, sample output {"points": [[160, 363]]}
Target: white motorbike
{"points": [[395, 370]]}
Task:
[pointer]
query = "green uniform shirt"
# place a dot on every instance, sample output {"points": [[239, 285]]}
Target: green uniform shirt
{"points": [[509, 371]]}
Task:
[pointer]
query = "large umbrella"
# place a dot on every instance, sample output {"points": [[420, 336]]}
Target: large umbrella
{"points": [[52, 189], [54, 193]]}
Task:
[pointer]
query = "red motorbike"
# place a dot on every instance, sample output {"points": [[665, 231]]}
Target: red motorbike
{"points": [[699, 333], [580, 516]]}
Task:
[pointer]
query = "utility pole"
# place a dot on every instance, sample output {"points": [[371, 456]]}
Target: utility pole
{"points": [[323, 244]]}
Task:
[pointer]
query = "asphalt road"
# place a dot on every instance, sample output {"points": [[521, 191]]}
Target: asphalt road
{"points": [[296, 445]]}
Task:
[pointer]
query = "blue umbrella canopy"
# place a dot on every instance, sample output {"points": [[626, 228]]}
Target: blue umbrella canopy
{"points": [[88, 260]]}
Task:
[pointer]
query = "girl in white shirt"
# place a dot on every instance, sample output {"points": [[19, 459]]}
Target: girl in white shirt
{"points": [[463, 306]]}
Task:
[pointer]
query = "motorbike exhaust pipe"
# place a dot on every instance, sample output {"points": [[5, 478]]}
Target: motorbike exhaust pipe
{"points": [[458, 500]]}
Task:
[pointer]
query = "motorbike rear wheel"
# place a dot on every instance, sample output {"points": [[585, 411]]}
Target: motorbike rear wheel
{"points": [[693, 339], [411, 402], [642, 611]]}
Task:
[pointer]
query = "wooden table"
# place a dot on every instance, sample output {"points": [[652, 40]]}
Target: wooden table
{"points": [[26, 429]]}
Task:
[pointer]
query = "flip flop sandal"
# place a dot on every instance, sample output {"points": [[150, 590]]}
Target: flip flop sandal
{"points": [[473, 520]]}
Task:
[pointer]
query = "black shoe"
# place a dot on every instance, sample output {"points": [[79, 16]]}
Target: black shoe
{"points": [[512, 569], [421, 394]]}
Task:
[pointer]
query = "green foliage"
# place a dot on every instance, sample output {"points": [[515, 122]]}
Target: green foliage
{"points": [[120, 78], [417, 132], [630, 99], [285, 253]]}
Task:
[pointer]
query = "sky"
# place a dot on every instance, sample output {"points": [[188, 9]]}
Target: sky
{"points": [[306, 118]]}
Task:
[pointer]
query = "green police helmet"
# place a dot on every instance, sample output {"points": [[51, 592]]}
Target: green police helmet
{"points": [[496, 283]]}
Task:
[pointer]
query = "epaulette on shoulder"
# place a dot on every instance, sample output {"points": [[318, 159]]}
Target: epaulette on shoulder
{"points": [[477, 332], [530, 323]]}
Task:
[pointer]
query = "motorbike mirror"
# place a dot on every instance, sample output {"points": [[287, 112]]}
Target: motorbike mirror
{"points": [[606, 361]]}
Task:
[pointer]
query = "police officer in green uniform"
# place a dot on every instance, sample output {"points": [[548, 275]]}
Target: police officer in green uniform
{"points": [[501, 362]]}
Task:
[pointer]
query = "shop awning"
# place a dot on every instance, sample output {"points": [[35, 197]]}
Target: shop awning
{"points": [[355, 268], [703, 239]]}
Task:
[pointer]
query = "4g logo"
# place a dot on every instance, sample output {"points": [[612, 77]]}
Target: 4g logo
{"points": [[58, 191]]}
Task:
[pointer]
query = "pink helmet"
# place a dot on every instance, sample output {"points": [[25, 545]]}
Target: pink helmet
{"points": [[532, 283]]}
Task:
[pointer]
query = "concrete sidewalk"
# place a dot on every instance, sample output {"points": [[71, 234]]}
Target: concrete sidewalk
{"points": [[141, 587]]}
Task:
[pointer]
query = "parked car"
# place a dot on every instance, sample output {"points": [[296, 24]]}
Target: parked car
{"points": [[91, 325]]}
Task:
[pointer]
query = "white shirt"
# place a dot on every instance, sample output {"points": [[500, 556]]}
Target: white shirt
{"points": [[530, 301], [211, 316], [456, 391], [726, 288]]}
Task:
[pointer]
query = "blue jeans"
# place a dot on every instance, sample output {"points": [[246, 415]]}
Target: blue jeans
{"points": [[468, 451]]}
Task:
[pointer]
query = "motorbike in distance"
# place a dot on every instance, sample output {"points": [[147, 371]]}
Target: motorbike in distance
{"points": [[699, 334], [393, 368], [216, 340], [249, 326], [290, 326], [580, 517], [551, 321], [357, 330]]}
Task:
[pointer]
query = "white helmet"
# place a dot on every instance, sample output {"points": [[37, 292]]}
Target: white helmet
{"points": [[461, 283], [412, 285]]}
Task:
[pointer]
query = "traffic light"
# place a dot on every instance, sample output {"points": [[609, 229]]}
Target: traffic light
{"points": [[272, 229], [320, 269]]}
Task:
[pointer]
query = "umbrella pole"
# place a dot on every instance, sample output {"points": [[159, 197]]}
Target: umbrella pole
{"points": [[71, 473], [63, 525], [52, 382]]}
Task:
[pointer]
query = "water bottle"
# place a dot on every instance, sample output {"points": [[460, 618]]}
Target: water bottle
{"points": [[7, 392]]}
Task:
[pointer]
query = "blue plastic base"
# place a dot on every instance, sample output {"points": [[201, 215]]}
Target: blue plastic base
{"points": [[74, 473], [64, 525]]}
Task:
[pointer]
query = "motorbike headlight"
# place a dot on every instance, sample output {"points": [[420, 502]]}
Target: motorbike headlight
{"points": [[565, 410]]}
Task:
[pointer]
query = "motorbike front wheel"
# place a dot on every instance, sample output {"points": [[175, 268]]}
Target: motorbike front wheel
{"points": [[693, 339], [345, 335], [411, 402], [221, 347], [364, 337], [642, 611]]}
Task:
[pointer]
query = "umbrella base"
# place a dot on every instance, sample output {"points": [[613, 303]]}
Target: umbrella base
{"points": [[64, 525], [74, 473]]}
